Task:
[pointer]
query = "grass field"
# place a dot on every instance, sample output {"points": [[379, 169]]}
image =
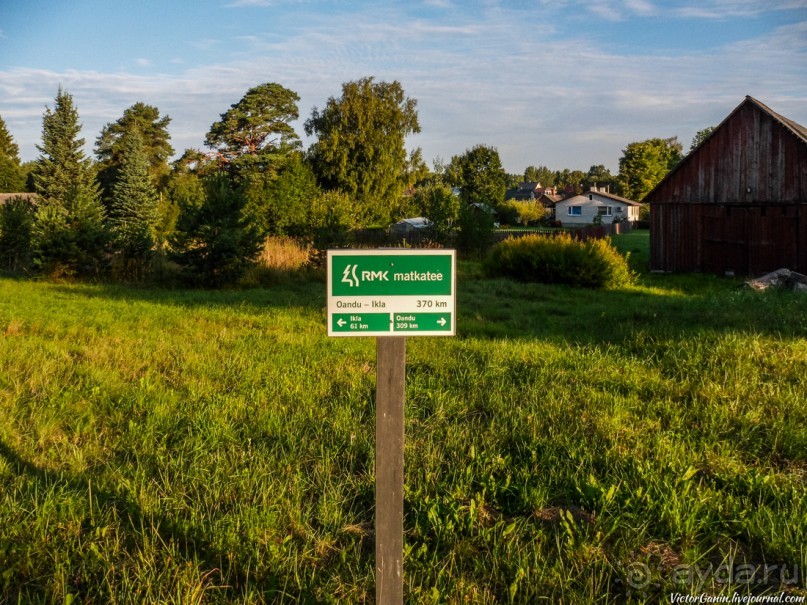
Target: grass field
{"points": [[567, 446]]}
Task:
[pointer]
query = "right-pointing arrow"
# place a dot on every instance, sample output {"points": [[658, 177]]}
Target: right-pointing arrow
{"points": [[442, 321]]}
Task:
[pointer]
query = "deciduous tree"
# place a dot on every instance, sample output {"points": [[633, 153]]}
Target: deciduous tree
{"points": [[438, 204], [287, 198], [600, 176], [360, 145], [479, 174], [700, 137], [539, 174], [643, 164]]}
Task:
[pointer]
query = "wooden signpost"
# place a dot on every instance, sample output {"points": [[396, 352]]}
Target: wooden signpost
{"points": [[390, 294]]}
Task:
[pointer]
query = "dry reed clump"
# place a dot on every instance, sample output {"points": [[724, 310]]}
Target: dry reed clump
{"points": [[281, 258], [285, 254]]}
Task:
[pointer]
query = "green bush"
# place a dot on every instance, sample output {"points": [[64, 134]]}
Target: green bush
{"points": [[215, 241], [560, 259], [16, 234]]}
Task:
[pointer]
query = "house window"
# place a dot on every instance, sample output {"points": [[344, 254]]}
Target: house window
{"points": [[575, 210], [604, 210], [590, 197], [619, 209]]}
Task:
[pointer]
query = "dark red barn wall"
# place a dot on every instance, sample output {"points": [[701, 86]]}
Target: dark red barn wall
{"points": [[738, 203]]}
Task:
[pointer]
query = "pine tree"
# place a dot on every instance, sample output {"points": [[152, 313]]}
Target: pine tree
{"points": [[11, 176], [109, 146], [69, 231], [133, 208], [16, 228], [215, 239]]}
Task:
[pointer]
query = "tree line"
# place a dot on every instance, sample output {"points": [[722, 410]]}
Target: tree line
{"points": [[130, 211]]}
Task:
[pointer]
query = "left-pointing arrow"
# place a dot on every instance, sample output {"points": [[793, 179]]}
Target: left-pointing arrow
{"points": [[340, 322]]}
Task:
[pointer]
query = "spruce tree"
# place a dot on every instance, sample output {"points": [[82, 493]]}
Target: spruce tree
{"points": [[110, 147], [11, 175], [215, 239], [133, 207], [69, 232], [16, 228]]}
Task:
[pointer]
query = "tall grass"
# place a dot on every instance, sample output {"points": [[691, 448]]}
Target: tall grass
{"points": [[208, 447], [281, 259]]}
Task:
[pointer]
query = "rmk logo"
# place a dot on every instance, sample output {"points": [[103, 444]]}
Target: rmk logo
{"points": [[350, 278]]}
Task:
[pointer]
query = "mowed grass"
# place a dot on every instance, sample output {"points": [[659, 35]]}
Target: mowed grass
{"points": [[567, 446]]}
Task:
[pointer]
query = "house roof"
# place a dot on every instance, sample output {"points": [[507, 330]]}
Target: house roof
{"points": [[797, 129], [483, 207], [610, 196], [418, 222]]}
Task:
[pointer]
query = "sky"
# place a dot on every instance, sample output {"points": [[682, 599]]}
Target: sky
{"points": [[557, 83]]}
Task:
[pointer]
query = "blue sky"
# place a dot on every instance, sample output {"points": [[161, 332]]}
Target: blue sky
{"points": [[561, 83]]}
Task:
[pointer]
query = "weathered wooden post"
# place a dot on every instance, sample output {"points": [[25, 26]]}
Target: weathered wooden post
{"points": [[389, 468]]}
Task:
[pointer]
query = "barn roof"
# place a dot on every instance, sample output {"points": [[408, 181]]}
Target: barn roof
{"points": [[797, 129]]}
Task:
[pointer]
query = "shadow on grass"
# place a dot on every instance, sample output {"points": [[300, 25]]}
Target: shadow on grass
{"points": [[507, 309], [302, 294], [191, 545], [663, 306]]}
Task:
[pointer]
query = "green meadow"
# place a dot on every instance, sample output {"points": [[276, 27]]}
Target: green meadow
{"points": [[567, 446]]}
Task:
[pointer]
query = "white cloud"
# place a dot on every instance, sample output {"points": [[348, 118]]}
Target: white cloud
{"points": [[205, 43], [605, 9], [723, 9], [142, 62], [540, 99], [641, 7]]}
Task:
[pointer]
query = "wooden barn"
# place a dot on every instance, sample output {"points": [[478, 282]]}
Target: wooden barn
{"points": [[738, 203]]}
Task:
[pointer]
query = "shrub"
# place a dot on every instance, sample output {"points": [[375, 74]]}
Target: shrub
{"points": [[215, 241], [560, 260], [475, 233], [16, 233]]}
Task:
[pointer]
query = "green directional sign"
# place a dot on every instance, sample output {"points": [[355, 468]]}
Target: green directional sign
{"points": [[417, 322], [360, 322], [388, 292]]}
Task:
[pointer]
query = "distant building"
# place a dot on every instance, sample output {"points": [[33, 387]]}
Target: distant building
{"points": [[738, 203], [406, 227], [597, 205]]}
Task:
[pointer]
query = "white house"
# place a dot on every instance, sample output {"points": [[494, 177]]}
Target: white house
{"points": [[584, 209]]}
